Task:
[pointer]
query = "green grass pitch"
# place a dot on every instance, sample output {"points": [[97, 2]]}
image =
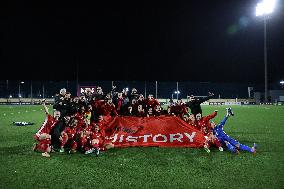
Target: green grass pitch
{"points": [[151, 167]]}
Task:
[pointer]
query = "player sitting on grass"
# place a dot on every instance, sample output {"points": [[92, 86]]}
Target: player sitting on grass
{"points": [[232, 145], [68, 137], [212, 140], [204, 125], [95, 141], [43, 134]]}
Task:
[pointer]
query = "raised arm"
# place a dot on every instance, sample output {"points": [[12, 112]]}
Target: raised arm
{"points": [[211, 116], [45, 107], [201, 100]]}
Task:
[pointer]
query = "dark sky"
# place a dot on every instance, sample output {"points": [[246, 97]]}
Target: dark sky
{"points": [[141, 40]]}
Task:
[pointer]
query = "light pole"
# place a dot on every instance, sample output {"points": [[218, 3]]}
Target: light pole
{"points": [[7, 88], [282, 83], [145, 89], [43, 90], [31, 92], [177, 93], [20, 96], [263, 9], [156, 90]]}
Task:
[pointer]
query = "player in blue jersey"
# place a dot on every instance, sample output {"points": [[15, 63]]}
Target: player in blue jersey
{"points": [[232, 144]]}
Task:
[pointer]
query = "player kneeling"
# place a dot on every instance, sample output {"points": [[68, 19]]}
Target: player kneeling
{"points": [[43, 136], [68, 137], [97, 141]]}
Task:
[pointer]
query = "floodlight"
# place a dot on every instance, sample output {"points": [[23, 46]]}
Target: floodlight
{"points": [[265, 7]]}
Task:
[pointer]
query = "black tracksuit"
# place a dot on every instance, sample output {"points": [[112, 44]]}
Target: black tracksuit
{"points": [[194, 105]]}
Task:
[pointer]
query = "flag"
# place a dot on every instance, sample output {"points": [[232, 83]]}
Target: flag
{"points": [[161, 131]]}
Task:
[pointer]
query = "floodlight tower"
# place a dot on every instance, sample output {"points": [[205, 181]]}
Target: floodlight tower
{"points": [[263, 9], [20, 95]]}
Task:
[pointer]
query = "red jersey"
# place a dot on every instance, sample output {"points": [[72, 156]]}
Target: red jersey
{"points": [[102, 126], [119, 104], [152, 103], [97, 106], [109, 109], [47, 125], [204, 123], [178, 109], [96, 135], [80, 117], [71, 132]]}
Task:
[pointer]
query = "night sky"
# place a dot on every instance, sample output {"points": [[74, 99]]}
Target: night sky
{"points": [[217, 41]]}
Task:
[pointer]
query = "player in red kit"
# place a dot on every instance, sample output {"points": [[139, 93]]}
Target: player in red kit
{"points": [[178, 109], [68, 137], [212, 140], [151, 102], [141, 111], [204, 122], [192, 121], [82, 136], [43, 136], [141, 101], [96, 140], [109, 108], [80, 116], [118, 102]]}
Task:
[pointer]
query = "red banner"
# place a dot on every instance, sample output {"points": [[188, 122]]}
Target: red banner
{"points": [[162, 131]]}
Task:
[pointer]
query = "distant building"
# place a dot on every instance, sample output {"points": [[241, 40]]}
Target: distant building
{"points": [[274, 96]]}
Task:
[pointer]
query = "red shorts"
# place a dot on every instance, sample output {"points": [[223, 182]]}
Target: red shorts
{"points": [[43, 145]]}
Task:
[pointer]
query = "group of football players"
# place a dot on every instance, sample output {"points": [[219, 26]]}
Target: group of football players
{"points": [[78, 124]]}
